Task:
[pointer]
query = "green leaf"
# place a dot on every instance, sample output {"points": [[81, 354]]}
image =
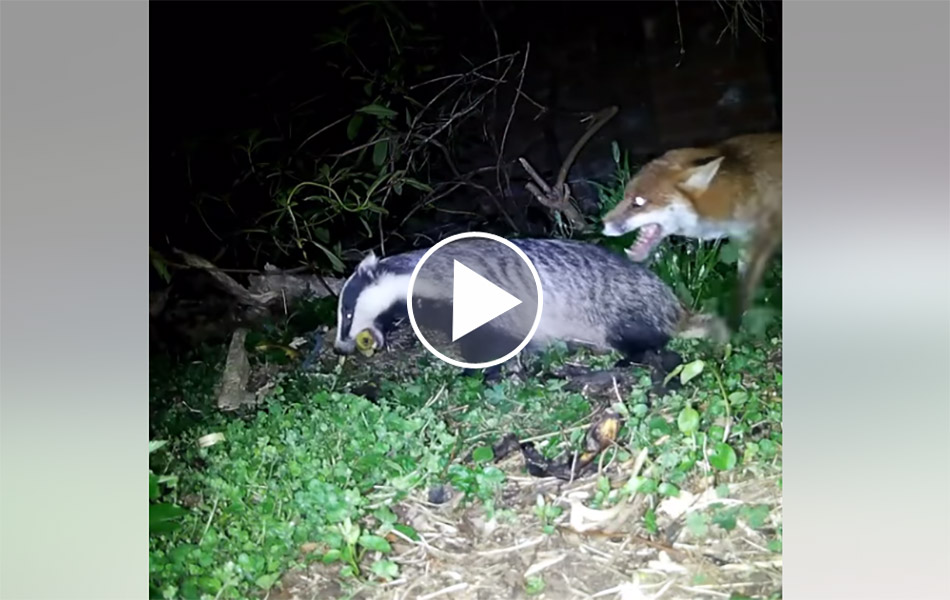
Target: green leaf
{"points": [[266, 582], [379, 152], [639, 484], [350, 531], [379, 111], [385, 515], [751, 450], [374, 542], [691, 370], [533, 585], [154, 445], [322, 234], [738, 398], [416, 184], [755, 516], [697, 523], [152, 486], [407, 531], [649, 521], [335, 261], [729, 253], [386, 569], [332, 556], [725, 519], [676, 371], [347, 571], [163, 517], [164, 511], [683, 291], [688, 420], [353, 127], [483, 454], [668, 489], [615, 150], [160, 266], [659, 427], [723, 457]]}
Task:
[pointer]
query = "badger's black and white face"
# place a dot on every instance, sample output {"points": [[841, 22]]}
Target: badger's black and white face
{"points": [[371, 299]]}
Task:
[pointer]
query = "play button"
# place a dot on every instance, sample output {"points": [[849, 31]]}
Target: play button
{"points": [[474, 300]]}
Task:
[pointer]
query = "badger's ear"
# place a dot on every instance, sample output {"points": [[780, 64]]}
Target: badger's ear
{"points": [[369, 261]]}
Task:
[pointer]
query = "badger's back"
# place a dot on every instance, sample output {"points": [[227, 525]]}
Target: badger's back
{"points": [[594, 295], [591, 295]]}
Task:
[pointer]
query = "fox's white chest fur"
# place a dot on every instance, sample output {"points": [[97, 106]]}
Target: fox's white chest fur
{"points": [[689, 224]]}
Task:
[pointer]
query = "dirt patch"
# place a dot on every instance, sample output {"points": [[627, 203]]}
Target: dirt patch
{"points": [[590, 553]]}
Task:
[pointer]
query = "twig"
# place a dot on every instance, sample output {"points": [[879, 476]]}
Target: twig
{"points": [[511, 115], [360, 147], [521, 546], [458, 587], [214, 509], [599, 120], [679, 26], [229, 284], [558, 197], [322, 129], [213, 268]]}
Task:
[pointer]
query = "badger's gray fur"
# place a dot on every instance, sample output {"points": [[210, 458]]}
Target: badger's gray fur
{"points": [[592, 296]]}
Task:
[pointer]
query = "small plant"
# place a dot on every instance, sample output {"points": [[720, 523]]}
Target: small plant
{"points": [[547, 513], [533, 585], [163, 517], [351, 545]]}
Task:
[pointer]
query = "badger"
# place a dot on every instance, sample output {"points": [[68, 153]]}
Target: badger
{"points": [[591, 297]]}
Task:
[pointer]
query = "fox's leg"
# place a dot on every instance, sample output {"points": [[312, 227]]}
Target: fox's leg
{"points": [[759, 253], [742, 264]]}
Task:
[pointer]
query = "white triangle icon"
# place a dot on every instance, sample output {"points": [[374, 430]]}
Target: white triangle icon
{"points": [[476, 301]]}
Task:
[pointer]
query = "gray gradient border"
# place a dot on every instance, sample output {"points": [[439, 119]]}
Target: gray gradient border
{"points": [[73, 230], [867, 332], [866, 122]]}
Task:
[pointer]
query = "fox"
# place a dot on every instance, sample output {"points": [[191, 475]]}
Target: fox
{"points": [[732, 189]]}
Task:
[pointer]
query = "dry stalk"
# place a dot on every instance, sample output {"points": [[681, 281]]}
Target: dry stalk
{"points": [[558, 197]]}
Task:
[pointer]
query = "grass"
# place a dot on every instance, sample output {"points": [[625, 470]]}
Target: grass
{"points": [[323, 481], [322, 470]]}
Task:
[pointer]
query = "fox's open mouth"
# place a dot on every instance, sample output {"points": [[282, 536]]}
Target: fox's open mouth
{"points": [[647, 239]]}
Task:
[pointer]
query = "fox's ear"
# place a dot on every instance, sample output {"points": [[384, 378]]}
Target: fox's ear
{"points": [[369, 261], [697, 178]]}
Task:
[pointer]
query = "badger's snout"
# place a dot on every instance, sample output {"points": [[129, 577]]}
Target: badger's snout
{"points": [[344, 347]]}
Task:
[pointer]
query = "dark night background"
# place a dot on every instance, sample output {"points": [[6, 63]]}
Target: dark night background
{"points": [[219, 69]]}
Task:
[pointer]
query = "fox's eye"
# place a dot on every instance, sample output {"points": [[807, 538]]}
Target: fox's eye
{"points": [[639, 200]]}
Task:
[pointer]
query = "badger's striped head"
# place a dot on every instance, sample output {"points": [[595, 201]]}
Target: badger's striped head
{"points": [[371, 299]]}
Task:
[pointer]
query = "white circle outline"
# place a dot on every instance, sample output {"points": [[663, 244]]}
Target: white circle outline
{"points": [[537, 316]]}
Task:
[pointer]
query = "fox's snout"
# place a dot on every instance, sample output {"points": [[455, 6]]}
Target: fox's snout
{"points": [[614, 228]]}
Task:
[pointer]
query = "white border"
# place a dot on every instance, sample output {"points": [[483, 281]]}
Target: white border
{"points": [[537, 316]]}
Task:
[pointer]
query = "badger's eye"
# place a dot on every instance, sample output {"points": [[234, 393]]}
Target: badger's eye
{"points": [[639, 200], [349, 315]]}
